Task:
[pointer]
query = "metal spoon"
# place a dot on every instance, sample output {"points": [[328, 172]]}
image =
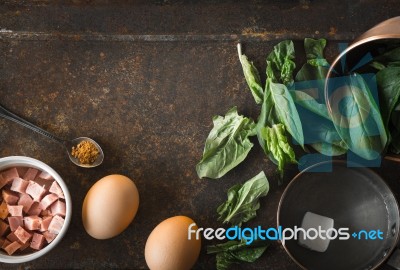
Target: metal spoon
{"points": [[67, 144]]}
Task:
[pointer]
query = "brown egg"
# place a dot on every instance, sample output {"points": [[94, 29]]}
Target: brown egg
{"points": [[168, 246], [110, 206]]}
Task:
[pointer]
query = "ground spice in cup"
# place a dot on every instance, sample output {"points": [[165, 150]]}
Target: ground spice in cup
{"points": [[86, 152]]}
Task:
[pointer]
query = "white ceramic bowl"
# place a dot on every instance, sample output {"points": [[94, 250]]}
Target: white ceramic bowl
{"points": [[14, 161]]}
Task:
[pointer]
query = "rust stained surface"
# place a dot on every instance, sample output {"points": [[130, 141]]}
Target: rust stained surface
{"points": [[144, 78]]}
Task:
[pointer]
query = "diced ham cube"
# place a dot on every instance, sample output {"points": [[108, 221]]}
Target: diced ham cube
{"points": [[10, 197], [45, 176], [26, 201], [5, 243], [37, 241], [48, 200], [3, 181], [44, 226], [56, 189], [10, 174], [11, 248], [24, 246], [15, 210], [32, 223], [21, 171], [45, 213], [44, 183], [30, 174], [22, 235], [15, 222], [35, 209], [56, 224], [3, 210], [3, 227], [12, 237], [49, 236], [19, 185], [58, 208], [35, 190]]}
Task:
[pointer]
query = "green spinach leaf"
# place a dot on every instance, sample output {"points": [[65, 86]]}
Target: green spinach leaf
{"points": [[252, 76], [277, 144], [234, 252], [389, 56], [268, 140], [331, 149], [388, 80], [318, 127], [308, 102], [227, 144], [280, 64], [316, 67], [358, 120], [280, 67], [388, 65], [320, 132], [286, 110], [243, 200], [395, 131], [377, 65]]}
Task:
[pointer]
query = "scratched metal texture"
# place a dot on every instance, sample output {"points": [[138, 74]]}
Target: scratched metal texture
{"points": [[144, 78]]}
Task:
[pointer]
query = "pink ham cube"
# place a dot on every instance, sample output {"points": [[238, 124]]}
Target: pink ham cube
{"points": [[3, 181], [45, 176], [21, 171], [11, 248], [3, 227], [30, 174], [10, 197], [32, 223], [37, 241], [44, 226], [5, 243], [58, 208], [15, 210], [3, 210], [45, 213], [24, 246], [10, 174], [35, 209], [15, 222], [19, 185], [12, 237], [48, 200], [26, 201], [2, 239], [23, 235], [49, 236], [56, 189], [56, 224], [35, 190]]}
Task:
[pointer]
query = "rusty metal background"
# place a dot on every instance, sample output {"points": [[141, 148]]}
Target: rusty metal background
{"points": [[144, 78]]}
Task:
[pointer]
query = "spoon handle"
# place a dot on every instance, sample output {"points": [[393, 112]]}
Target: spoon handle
{"points": [[13, 117]]}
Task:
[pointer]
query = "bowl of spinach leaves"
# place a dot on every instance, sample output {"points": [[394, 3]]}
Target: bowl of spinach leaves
{"points": [[362, 92]]}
